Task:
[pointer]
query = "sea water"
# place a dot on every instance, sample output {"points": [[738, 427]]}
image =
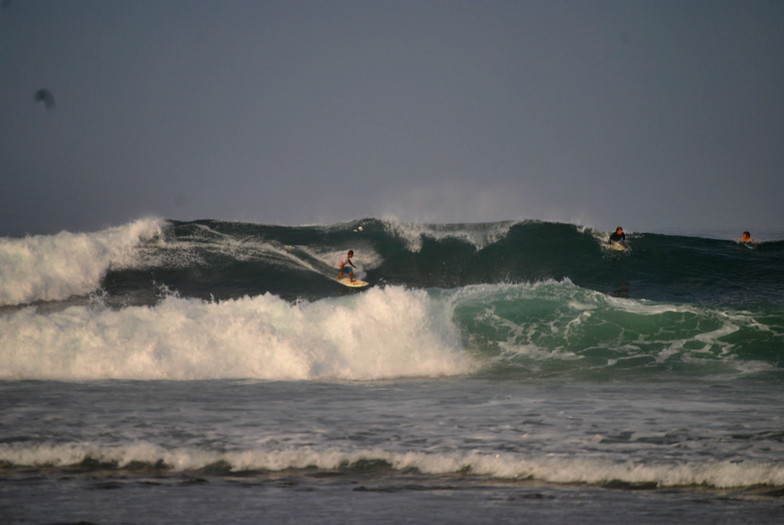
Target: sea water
{"points": [[206, 372]]}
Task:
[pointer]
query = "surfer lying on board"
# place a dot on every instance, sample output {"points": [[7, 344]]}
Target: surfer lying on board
{"points": [[345, 263], [618, 236], [747, 241]]}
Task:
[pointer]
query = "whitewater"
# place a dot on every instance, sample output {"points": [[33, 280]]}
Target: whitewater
{"points": [[213, 371]]}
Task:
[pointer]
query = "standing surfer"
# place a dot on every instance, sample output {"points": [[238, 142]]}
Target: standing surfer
{"points": [[345, 263]]}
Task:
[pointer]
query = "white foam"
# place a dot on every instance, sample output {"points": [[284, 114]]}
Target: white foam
{"points": [[723, 474], [55, 267], [382, 333]]}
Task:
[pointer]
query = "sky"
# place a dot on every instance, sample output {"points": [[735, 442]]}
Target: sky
{"points": [[660, 116]]}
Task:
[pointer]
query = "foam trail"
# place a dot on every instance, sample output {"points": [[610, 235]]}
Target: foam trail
{"points": [[55, 267], [383, 333]]}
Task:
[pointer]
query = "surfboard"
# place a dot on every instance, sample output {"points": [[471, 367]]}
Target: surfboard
{"points": [[618, 246], [356, 284], [750, 245]]}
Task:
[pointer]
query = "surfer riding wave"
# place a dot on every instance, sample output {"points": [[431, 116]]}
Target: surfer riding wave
{"points": [[345, 264]]}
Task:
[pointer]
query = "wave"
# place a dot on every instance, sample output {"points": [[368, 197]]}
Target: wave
{"points": [[387, 332], [208, 299], [549, 330], [147, 458], [56, 267], [221, 260], [558, 329]]}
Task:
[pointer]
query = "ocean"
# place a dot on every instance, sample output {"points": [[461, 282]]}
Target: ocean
{"points": [[511, 372]]}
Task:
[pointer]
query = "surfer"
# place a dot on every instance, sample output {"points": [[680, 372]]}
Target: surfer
{"points": [[344, 263], [617, 236], [747, 241]]}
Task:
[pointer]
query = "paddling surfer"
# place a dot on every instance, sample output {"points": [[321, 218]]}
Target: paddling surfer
{"points": [[747, 241], [618, 236]]}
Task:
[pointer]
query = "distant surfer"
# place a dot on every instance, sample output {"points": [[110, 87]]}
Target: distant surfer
{"points": [[747, 240], [345, 264], [618, 237]]}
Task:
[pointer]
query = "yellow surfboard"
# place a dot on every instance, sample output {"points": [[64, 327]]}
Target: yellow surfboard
{"points": [[356, 284]]}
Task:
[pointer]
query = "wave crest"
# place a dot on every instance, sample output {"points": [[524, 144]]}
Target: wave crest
{"points": [[56, 267]]}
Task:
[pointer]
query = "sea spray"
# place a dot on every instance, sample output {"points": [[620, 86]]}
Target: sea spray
{"points": [[478, 235]]}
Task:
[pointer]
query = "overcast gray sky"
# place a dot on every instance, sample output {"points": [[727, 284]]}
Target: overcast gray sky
{"points": [[657, 115]]}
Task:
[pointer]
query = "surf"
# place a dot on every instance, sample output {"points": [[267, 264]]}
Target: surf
{"points": [[524, 300], [148, 458], [546, 331], [384, 333]]}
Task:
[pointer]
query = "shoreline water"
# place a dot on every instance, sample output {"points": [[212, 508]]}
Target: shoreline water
{"points": [[450, 419]]}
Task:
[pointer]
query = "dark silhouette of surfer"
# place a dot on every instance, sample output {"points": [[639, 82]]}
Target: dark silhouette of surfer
{"points": [[45, 96]]}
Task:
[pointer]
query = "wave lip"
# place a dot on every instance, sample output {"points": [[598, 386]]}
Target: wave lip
{"points": [[56, 267], [479, 235]]}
